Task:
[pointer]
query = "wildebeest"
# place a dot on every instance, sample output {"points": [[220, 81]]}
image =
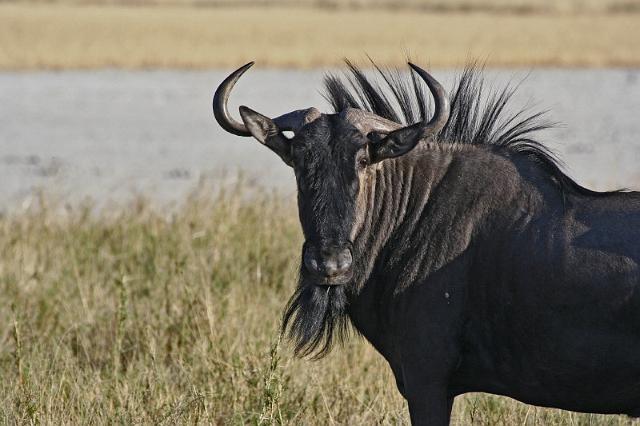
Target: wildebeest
{"points": [[456, 246]]}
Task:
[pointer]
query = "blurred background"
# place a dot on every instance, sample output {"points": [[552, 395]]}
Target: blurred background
{"points": [[146, 254], [106, 98]]}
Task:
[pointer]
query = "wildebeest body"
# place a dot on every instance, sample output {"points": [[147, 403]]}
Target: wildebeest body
{"points": [[531, 294], [477, 265]]}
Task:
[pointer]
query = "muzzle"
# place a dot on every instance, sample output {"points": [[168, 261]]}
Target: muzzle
{"points": [[330, 262]]}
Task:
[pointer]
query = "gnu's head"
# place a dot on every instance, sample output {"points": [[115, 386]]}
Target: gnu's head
{"points": [[331, 155]]}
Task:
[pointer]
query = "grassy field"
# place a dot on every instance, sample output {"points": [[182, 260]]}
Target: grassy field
{"points": [[53, 36], [136, 315]]}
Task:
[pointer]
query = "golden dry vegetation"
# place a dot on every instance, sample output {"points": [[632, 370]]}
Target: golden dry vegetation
{"points": [[54, 36], [501, 6], [133, 315]]}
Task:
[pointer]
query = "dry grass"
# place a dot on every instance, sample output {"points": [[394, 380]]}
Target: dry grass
{"points": [[136, 316], [501, 6], [62, 37]]}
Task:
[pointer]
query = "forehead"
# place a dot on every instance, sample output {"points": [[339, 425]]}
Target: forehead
{"points": [[331, 130]]}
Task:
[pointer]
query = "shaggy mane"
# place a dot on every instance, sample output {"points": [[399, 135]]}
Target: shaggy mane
{"points": [[473, 119]]}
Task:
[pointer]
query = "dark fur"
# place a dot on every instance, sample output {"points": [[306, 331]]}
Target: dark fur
{"points": [[316, 317], [473, 121], [479, 266]]}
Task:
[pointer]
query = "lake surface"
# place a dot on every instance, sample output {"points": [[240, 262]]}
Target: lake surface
{"points": [[109, 135]]}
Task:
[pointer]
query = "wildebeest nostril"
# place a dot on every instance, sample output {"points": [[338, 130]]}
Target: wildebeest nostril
{"points": [[311, 262], [344, 260]]}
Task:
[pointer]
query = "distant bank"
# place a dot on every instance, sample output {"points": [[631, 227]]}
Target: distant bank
{"points": [[64, 36]]}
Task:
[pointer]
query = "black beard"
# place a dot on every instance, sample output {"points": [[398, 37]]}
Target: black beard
{"points": [[316, 317]]}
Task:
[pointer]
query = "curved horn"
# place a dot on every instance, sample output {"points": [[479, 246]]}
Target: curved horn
{"points": [[290, 121], [220, 99], [441, 113], [403, 140]]}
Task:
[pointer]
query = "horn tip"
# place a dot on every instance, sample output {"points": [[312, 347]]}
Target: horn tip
{"points": [[416, 68]]}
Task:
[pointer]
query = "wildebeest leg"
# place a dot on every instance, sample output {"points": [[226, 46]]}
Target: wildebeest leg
{"points": [[429, 346], [449, 406], [430, 407], [427, 393]]}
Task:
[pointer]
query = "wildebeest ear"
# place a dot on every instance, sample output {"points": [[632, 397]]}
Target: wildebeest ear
{"points": [[266, 132], [395, 144]]}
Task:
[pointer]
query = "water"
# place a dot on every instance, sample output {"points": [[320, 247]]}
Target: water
{"points": [[108, 135]]}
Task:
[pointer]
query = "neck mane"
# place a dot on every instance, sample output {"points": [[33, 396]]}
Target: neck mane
{"points": [[475, 119]]}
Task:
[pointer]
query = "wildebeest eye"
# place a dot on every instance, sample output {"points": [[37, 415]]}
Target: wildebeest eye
{"points": [[363, 162]]}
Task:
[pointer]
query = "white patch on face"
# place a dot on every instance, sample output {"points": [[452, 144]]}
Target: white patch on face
{"points": [[365, 177]]}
